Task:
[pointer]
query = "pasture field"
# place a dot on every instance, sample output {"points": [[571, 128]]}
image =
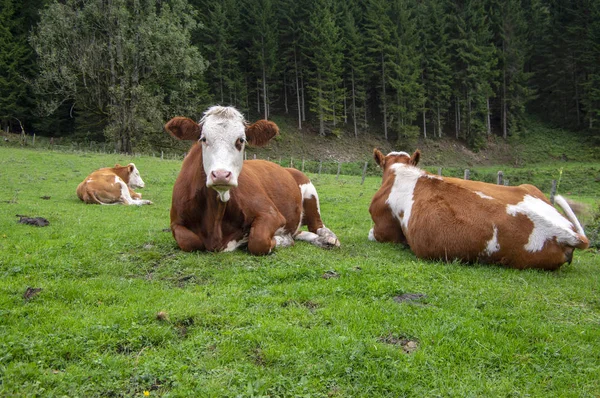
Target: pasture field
{"points": [[123, 313]]}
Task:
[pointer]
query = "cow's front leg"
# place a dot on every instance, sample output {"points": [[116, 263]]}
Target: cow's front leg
{"points": [[261, 239], [187, 240], [387, 229], [134, 195]]}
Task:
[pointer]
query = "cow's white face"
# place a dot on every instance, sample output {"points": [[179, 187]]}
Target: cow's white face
{"points": [[223, 139], [135, 180], [222, 134]]}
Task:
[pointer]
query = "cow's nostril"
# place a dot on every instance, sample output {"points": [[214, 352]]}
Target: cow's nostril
{"points": [[221, 176]]}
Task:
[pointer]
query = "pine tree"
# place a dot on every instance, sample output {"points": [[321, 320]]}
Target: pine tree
{"points": [[292, 18], [218, 38], [381, 31], [435, 62], [261, 28], [355, 66], [513, 50], [325, 54], [17, 64], [405, 69], [475, 70]]}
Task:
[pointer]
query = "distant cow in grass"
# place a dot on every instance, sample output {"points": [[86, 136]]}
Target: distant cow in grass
{"points": [[448, 218], [113, 185], [221, 202]]}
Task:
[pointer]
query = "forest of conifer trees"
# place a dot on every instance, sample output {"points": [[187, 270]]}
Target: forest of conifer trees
{"points": [[116, 70]]}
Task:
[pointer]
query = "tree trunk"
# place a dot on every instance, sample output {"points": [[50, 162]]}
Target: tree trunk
{"points": [[504, 103], [298, 93], [384, 98], [264, 82], [439, 121], [488, 117], [285, 100], [354, 107]]}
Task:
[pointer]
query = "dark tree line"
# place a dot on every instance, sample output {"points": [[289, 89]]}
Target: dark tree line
{"points": [[399, 68]]}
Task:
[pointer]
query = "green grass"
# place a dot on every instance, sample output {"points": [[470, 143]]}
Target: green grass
{"points": [[299, 322]]}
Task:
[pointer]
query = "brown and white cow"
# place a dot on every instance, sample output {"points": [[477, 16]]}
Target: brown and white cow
{"points": [[221, 202], [446, 218], [113, 185]]}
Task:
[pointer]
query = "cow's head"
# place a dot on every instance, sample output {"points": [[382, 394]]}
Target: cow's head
{"points": [[386, 161], [223, 134], [135, 180]]}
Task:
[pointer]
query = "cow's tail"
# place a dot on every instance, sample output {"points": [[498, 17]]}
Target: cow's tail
{"points": [[564, 205]]}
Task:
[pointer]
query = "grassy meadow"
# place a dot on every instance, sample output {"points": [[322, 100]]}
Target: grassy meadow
{"points": [[123, 313]]}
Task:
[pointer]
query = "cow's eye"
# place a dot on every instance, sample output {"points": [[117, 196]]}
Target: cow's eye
{"points": [[202, 139], [239, 144]]}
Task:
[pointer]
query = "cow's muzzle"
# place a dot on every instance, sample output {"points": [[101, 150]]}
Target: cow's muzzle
{"points": [[220, 180]]}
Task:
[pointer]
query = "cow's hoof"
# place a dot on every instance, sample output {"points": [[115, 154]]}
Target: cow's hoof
{"points": [[327, 239]]}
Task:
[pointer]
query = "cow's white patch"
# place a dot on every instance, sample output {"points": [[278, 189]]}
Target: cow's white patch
{"points": [[283, 238], [135, 180], [372, 235], [126, 197], [401, 153], [234, 244], [309, 191], [482, 195], [433, 177], [548, 223], [221, 129], [401, 195], [306, 236], [492, 245]]}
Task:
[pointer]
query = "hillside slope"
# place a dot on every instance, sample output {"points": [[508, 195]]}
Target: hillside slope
{"points": [[537, 144]]}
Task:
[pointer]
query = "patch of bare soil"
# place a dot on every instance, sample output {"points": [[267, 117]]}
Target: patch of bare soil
{"points": [[409, 297], [408, 345], [31, 292], [35, 221]]}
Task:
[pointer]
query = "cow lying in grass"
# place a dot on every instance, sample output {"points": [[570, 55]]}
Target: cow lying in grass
{"points": [[446, 218], [113, 185], [221, 202]]}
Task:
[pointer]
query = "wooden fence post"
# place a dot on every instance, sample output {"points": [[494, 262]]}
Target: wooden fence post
{"points": [[303, 165], [254, 156], [500, 178], [339, 169], [320, 166], [467, 174], [33, 140], [553, 192], [439, 171], [364, 173], [162, 155], [291, 162]]}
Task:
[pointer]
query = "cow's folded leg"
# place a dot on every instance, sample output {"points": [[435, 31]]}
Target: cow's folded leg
{"points": [[324, 238], [186, 239], [262, 234]]}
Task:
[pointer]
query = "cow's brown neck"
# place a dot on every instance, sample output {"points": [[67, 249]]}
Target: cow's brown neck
{"points": [[123, 173], [216, 208]]}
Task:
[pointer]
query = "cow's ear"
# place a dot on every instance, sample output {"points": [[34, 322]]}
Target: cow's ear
{"points": [[379, 158], [117, 165], [184, 128], [130, 167], [414, 159], [259, 133]]}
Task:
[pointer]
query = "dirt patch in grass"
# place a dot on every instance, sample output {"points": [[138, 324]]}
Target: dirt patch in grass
{"points": [[31, 292], [409, 297], [330, 274], [35, 221], [408, 345]]}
